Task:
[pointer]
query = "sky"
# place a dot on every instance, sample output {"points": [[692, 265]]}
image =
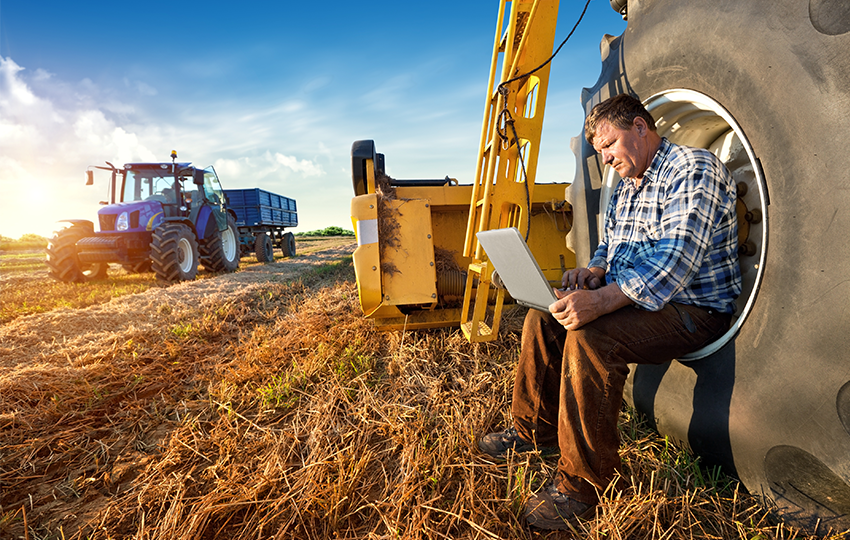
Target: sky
{"points": [[272, 94]]}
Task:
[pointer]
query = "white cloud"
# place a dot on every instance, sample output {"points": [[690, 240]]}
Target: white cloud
{"points": [[42, 75], [141, 87], [145, 89], [11, 168], [267, 166], [16, 91], [308, 168], [47, 142], [230, 168]]}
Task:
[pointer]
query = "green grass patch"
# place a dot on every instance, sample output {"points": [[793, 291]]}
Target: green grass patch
{"points": [[27, 241], [43, 295], [327, 231], [29, 260], [282, 392]]}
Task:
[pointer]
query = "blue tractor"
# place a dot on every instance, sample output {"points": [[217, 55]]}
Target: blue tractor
{"points": [[164, 217]]}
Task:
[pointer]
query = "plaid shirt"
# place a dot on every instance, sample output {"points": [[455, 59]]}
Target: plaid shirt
{"points": [[674, 238]]}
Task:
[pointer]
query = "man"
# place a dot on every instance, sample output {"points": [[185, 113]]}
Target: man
{"points": [[661, 284]]}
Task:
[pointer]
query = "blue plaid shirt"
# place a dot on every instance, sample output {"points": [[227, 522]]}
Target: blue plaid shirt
{"points": [[674, 238]]}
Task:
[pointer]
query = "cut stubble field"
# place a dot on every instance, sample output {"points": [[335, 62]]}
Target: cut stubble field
{"points": [[261, 404]]}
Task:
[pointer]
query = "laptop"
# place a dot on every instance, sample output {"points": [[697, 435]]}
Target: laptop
{"points": [[517, 268]]}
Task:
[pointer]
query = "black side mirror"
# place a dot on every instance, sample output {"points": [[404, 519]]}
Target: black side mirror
{"points": [[198, 177]]}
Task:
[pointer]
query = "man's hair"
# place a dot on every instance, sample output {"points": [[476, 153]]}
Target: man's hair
{"points": [[619, 111]]}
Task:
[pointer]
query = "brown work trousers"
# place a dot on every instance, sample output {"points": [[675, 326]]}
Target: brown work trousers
{"points": [[569, 384]]}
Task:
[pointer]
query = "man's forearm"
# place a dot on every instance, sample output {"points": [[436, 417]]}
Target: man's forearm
{"points": [[578, 307], [612, 299]]}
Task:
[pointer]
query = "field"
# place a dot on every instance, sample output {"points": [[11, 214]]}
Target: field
{"points": [[261, 404]]}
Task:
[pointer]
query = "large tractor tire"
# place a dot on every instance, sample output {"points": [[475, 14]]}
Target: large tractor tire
{"points": [[174, 253], [62, 261], [263, 248], [287, 244], [220, 253], [767, 89]]}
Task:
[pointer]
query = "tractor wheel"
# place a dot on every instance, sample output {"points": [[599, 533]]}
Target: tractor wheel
{"points": [[62, 261], [221, 252], [765, 89], [174, 253], [94, 271], [263, 248], [287, 244], [138, 268]]}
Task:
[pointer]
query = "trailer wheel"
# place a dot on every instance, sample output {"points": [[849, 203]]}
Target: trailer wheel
{"points": [[174, 253], [263, 248], [287, 244], [221, 252], [62, 261], [766, 402]]}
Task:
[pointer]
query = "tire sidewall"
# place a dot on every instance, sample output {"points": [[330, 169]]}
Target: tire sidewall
{"points": [[263, 248], [62, 253], [165, 252], [288, 244], [232, 263]]}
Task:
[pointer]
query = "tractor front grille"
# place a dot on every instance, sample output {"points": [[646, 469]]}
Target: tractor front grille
{"points": [[107, 222], [99, 242], [86, 257], [99, 249]]}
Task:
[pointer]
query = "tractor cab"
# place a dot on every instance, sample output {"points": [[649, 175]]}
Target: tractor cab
{"points": [[164, 183], [172, 191]]}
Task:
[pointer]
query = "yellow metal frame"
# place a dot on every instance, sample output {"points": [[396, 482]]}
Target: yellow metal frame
{"points": [[476, 327], [500, 190]]}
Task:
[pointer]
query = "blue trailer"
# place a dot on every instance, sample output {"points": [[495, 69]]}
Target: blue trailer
{"points": [[261, 217]]}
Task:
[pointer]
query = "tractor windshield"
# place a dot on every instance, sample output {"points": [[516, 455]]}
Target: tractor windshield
{"points": [[152, 184]]}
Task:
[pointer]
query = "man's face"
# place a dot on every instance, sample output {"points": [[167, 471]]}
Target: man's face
{"points": [[625, 150]]}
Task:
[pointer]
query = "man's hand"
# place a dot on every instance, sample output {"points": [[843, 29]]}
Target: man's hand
{"points": [[575, 308], [583, 278]]}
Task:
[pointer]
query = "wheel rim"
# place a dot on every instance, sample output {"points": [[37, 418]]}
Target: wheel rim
{"points": [[694, 119], [92, 270], [228, 244], [184, 255]]}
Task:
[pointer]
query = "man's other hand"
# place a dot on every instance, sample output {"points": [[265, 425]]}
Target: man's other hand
{"points": [[575, 308], [583, 278]]}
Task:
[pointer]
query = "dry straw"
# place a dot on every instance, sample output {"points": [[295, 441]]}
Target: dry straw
{"points": [[260, 409]]}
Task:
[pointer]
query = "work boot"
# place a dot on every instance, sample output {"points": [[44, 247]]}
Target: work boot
{"points": [[551, 510], [496, 445]]}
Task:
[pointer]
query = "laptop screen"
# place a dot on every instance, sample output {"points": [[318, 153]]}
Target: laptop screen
{"points": [[517, 268]]}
